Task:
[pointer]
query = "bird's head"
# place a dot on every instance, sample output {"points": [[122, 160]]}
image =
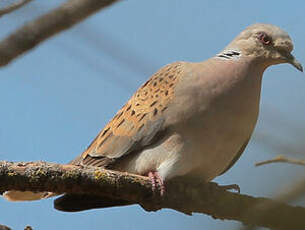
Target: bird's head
{"points": [[266, 42]]}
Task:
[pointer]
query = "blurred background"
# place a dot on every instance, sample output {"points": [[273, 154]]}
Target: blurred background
{"points": [[56, 98]]}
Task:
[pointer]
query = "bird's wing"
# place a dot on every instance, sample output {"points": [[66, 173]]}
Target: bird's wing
{"points": [[138, 123]]}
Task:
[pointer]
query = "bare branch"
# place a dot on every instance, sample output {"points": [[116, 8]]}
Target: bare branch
{"points": [[13, 7], [42, 28], [186, 196], [282, 159], [4, 227]]}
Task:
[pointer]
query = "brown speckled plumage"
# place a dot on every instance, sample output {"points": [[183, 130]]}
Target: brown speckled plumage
{"points": [[138, 120]]}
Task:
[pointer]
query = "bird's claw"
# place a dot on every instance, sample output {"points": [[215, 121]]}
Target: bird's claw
{"points": [[156, 180]]}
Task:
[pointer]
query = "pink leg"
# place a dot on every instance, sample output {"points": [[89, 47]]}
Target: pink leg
{"points": [[156, 180], [153, 180]]}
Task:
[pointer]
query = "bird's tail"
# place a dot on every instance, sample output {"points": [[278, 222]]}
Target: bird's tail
{"points": [[26, 195], [81, 202], [14, 195], [67, 202]]}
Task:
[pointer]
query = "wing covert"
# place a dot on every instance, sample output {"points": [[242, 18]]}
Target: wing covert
{"points": [[136, 124]]}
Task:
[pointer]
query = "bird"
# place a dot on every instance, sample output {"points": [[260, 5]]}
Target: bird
{"points": [[189, 119]]}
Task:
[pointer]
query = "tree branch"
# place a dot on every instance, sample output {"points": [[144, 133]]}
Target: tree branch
{"points": [[282, 159], [45, 26], [13, 7], [186, 196], [4, 227]]}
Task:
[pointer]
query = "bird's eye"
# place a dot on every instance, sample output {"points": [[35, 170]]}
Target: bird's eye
{"points": [[264, 38]]}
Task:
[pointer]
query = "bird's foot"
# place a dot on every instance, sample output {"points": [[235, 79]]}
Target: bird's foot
{"points": [[234, 187], [156, 180]]}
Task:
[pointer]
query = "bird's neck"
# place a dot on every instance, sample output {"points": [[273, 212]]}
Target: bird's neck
{"points": [[232, 54], [229, 54]]}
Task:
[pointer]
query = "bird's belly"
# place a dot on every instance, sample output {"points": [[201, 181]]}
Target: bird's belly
{"points": [[213, 144], [212, 157]]}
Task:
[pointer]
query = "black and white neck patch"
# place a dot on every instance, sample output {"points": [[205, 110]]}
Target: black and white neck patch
{"points": [[229, 54]]}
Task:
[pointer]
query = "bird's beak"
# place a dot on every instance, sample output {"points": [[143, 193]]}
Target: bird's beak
{"points": [[293, 61]]}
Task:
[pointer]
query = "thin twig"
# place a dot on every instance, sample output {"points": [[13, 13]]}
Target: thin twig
{"points": [[282, 159], [45, 26], [13, 7], [290, 194]]}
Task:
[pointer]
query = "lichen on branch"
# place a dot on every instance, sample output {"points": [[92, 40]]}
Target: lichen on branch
{"points": [[186, 195]]}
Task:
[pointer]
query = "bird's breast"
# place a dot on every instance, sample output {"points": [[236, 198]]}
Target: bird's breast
{"points": [[217, 121]]}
